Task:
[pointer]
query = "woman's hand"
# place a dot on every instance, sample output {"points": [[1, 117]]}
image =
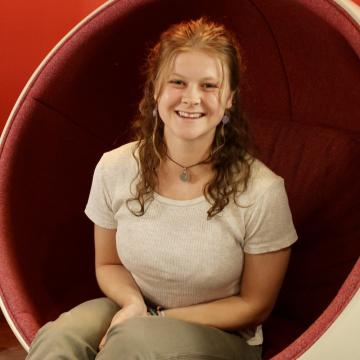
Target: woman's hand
{"points": [[127, 312]]}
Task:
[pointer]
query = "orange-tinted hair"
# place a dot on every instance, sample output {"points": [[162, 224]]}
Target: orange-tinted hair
{"points": [[231, 164]]}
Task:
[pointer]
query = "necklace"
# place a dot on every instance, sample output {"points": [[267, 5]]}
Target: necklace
{"points": [[185, 176]]}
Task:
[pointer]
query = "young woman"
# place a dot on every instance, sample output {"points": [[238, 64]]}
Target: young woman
{"points": [[192, 232]]}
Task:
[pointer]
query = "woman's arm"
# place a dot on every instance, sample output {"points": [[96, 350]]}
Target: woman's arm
{"points": [[114, 280], [262, 277]]}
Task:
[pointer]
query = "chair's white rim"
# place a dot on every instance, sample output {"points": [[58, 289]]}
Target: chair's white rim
{"points": [[341, 337], [351, 8], [12, 325]]}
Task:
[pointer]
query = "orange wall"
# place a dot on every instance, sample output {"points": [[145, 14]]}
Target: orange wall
{"points": [[28, 31]]}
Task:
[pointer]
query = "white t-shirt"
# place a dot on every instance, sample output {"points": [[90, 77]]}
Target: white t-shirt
{"points": [[176, 255]]}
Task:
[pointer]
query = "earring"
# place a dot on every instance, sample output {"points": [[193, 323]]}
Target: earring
{"points": [[154, 111], [225, 119]]}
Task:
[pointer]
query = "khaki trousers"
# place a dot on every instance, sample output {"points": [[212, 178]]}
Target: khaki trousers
{"points": [[76, 334]]}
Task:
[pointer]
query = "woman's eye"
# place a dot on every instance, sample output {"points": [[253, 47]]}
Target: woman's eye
{"points": [[209, 86], [176, 82]]}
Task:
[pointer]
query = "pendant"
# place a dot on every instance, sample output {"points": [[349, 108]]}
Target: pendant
{"points": [[184, 176]]}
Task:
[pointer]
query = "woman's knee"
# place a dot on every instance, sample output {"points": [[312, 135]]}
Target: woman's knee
{"points": [[77, 330], [89, 318]]}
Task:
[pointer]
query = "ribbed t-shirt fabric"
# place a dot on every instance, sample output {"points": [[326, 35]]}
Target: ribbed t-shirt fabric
{"points": [[176, 255]]}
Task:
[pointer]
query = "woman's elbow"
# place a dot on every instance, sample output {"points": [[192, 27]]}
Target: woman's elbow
{"points": [[259, 313]]}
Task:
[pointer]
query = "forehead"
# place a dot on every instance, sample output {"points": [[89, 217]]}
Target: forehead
{"points": [[197, 64]]}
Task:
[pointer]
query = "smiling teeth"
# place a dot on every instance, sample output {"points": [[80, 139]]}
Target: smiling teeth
{"points": [[189, 115]]}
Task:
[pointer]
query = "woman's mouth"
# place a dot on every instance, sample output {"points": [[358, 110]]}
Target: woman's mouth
{"points": [[189, 115]]}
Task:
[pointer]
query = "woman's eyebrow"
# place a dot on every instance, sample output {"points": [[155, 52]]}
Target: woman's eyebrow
{"points": [[203, 79]]}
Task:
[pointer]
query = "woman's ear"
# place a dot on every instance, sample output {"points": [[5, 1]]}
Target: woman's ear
{"points": [[229, 101], [156, 91]]}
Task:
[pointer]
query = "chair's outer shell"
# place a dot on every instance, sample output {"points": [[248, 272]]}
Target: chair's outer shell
{"points": [[22, 309]]}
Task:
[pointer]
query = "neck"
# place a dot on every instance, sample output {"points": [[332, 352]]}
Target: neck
{"points": [[188, 153]]}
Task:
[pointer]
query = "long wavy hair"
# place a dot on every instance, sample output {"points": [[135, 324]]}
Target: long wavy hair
{"points": [[232, 147]]}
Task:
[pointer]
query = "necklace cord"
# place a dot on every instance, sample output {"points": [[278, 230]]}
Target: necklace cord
{"points": [[188, 167]]}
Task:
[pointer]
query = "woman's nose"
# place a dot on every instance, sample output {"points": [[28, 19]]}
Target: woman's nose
{"points": [[191, 95], [190, 101]]}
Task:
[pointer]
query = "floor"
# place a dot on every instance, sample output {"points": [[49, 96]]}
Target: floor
{"points": [[10, 349]]}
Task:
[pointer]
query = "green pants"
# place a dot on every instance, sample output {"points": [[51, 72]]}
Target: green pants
{"points": [[76, 334]]}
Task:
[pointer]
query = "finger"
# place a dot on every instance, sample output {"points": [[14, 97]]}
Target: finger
{"points": [[102, 342]]}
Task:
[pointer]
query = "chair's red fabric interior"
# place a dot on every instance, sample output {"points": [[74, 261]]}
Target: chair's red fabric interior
{"points": [[301, 94]]}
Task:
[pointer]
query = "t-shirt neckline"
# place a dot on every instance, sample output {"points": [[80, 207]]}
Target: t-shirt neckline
{"points": [[169, 201]]}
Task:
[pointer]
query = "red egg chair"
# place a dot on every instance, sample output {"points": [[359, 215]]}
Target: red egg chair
{"points": [[301, 94]]}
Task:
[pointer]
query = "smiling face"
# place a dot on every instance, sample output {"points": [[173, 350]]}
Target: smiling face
{"points": [[194, 97]]}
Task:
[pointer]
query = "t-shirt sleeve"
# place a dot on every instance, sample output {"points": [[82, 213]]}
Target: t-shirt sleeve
{"points": [[269, 224], [98, 208]]}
